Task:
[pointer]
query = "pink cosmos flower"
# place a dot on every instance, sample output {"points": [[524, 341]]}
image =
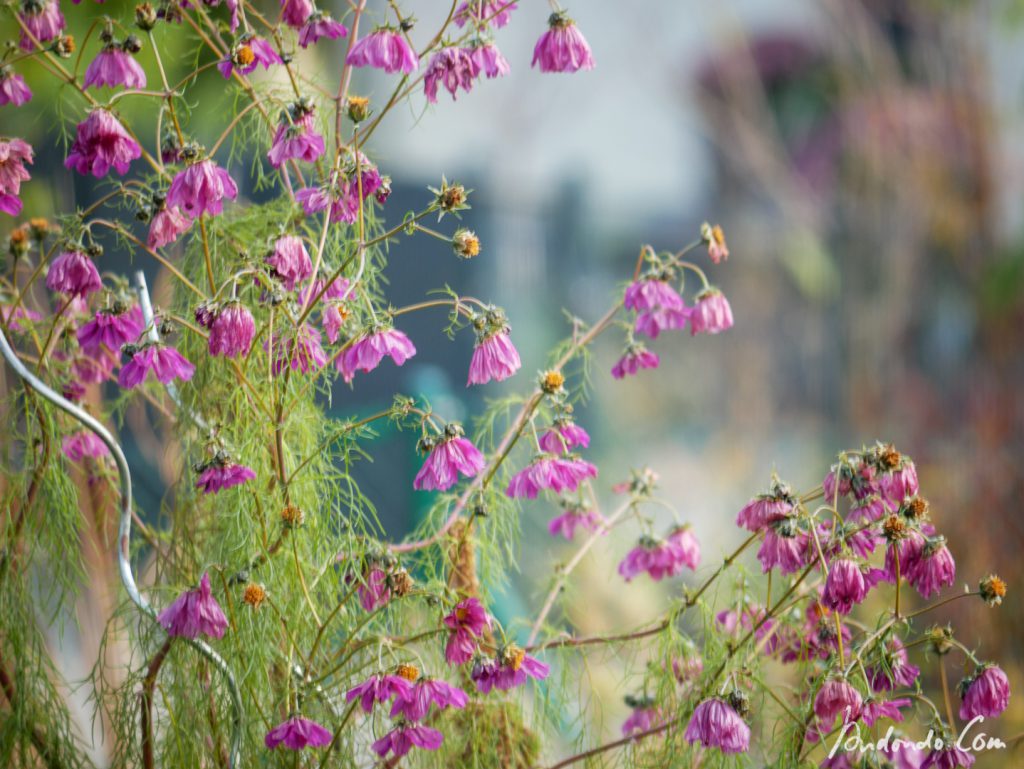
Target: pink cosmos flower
{"points": [[659, 307], [766, 508], [711, 314], [489, 60], [837, 698], [876, 710], [484, 12], [907, 552], [12, 316], [564, 437], [636, 357], [297, 733], [201, 189], [375, 591], [949, 757], [549, 472], [867, 510], [102, 143], [166, 363], [403, 737], [319, 25], [844, 587], [167, 225], [96, 369], [898, 672], [714, 724], [573, 518], [424, 692], [898, 484], [232, 331], [784, 546], [378, 688], [299, 350], [296, 140], [451, 456], [14, 154], [494, 358], [43, 20], [986, 693], [452, 67], [195, 612], [512, 667], [295, 12], [934, 569], [84, 443], [366, 353], [113, 67], [332, 320], [642, 719], [467, 622], [73, 273], [751, 617], [562, 48], [853, 475], [219, 475], [290, 261], [662, 558], [247, 55], [385, 49], [110, 328], [13, 89]]}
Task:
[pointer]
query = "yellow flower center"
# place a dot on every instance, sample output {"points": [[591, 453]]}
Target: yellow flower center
{"points": [[408, 672], [244, 56]]}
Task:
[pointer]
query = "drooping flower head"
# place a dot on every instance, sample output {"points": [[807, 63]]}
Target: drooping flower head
{"points": [[296, 137], [84, 443], [295, 12], [662, 558], [366, 353], [489, 60], [449, 455], [167, 224], [484, 13], [657, 304], [290, 261], [564, 436], [635, 358], [562, 48], [73, 273], [165, 362], [384, 48], [14, 154], [102, 143], [297, 733], [845, 586], [357, 181], [767, 508], [494, 356], [949, 757], [986, 693], [201, 188], [424, 693], [714, 237], [43, 19], [714, 724], [785, 547], [452, 67], [381, 687], [896, 473], [250, 52], [405, 736], [837, 698], [933, 569], [511, 667], [557, 473], [298, 350], [374, 591], [112, 327], [232, 331], [195, 612], [645, 715], [221, 473], [893, 670], [574, 516], [319, 25], [13, 88], [115, 66], [711, 314]]}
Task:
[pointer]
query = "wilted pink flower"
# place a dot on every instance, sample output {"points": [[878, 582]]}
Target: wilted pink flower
{"points": [[112, 328], [297, 733], [295, 12], [320, 25], [14, 154], [489, 60], [367, 353], [562, 48], [403, 737], [290, 261], [73, 273], [201, 189], [484, 12], [452, 67], [220, 475], [494, 358], [449, 457], [298, 350], [549, 472], [374, 591], [422, 694], [296, 140], [642, 719], [194, 612], [934, 569], [13, 89], [378, 688], [986, 693], [784, 546], [636, 357], [95, 369], [565, 436], [844, 586], [43, 20], [714, 724], [687, 668], [573, 518], [837, 698], [385, 49], [714, 237], [711, 314], [897, 672], [662, 558], [113, 67], [899, 482], [867, 510], [875, 710], [949, 757], [12, 317], [247, 55], [165, 362], [167, 225], [509, 669], [467, 621], [84, 443], [659, 306], [232, 331], [766, 508], [907, 551], [753, 616], [101, 142], [854, 475]]}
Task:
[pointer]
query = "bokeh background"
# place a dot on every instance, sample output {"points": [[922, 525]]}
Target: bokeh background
{"points": [[866, 162]]}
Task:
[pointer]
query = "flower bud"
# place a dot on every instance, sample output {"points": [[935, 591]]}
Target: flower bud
{"points": [[18, 242], [358, 108], [145, 17]]}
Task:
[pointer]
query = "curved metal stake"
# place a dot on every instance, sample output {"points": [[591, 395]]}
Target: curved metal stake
{"points": [[124, 532]]}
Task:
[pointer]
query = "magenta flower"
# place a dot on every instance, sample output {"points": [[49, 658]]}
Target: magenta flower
{"points": [[247, 55], [375, 591], [986, 693], [290, 262], [636, 357], [232, 331], [837, 698], [220, 474], [14, 154], [454, 68], [73, 273], [385, 49], [297, 733], [84, 443], [867, 510], [484, 12], [298, 350], [489, 60], [494, 358], [897, 672], [422, 694], [659, 307], [784, 547], [342, 195], [907, 552], [642, 719], [564, 437], [112, 67], [875, 710], [449, 457], [899, 483], [102, 143], [194, 612], [562, 48], [295, 12], [366, 353], [549, 472], [467, 622], [378, 688], [512, 667], [296, 140], [320, 25], [853, 475], [714, 724], [662, 558], [111, 328], [12, 317], [167, 225], [13, 89], [403, 737], [711, 314], [43, 20], [766, 508], [949, 757], [201, 189], [844, 586], [573, 518], [934, 569], [166, 363]]}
